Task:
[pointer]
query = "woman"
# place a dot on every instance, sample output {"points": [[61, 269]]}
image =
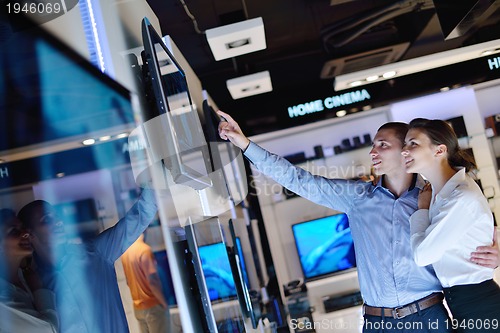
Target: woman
{"points": [[453, 219], [24, 305]]}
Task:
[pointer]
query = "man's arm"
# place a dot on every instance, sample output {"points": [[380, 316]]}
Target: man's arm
{"points": [[155, 285], [332, 193], [488, 256], [114, 241]]}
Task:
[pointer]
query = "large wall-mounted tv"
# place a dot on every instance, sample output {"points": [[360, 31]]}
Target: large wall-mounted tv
{"points": [[324, 246], [217, 271]]}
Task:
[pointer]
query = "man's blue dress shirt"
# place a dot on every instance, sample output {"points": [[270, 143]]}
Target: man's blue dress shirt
{"points": [[388, 275]]}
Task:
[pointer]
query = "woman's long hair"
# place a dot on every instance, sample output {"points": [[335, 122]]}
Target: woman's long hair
{"points": [[441, 133]]}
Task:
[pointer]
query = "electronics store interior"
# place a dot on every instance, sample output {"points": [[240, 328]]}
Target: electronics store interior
{"points": [[109, 120]]}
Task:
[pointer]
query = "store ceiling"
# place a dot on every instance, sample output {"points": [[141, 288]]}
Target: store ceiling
{"points": [[304, 35]]}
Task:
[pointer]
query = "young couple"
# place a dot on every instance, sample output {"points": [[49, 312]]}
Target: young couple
{"points": [[400, 294]]}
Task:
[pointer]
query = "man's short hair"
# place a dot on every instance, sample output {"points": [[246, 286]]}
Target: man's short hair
{"points": [[400, 129], [26, 213]]}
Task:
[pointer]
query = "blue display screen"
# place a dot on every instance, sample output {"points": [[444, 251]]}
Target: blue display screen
{"points": [[324, 246], [217, 271]]}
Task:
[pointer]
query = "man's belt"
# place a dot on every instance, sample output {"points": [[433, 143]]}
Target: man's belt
{"points": [[405, 310]]}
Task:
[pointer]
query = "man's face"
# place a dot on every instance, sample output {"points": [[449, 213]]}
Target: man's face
{"points": [[386, 153], [47, 227]]}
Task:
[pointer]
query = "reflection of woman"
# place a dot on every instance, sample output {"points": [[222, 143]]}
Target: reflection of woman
{"points": [[24, 304], [453, 219]]}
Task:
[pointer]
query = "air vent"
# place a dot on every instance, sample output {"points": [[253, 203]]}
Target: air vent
{"points": [[365, 60]]}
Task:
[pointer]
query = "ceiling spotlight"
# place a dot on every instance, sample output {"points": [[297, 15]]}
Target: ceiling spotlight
{"points": [[355, 83], [250, 88], [341, 113], [371, 78], [88, 142], [60, 174], [388, 75], [444, 89], [122, 135], [105, 138], [238, 43], [487, 52]]}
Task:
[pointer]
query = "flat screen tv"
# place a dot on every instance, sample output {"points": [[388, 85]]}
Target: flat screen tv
{"points": [[324, 246], [248, 305], [217, 271], [49, 93], [172, 112], [239, 251]]}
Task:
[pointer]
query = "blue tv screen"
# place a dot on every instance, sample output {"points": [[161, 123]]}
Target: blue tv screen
{"points": [[217, 271], [324, 246]]}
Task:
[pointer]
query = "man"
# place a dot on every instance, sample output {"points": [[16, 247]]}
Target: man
{"points": [[83, 275], [399, 296], [150, 306]]}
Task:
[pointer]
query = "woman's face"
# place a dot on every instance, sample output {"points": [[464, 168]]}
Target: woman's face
{"points": [[418, 151], [16, 240]]}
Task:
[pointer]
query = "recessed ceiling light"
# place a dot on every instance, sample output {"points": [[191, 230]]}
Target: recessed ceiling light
{"points": [[341, 113], [60, 174], [487, 52], [445, 89], [105, 138], [389, 74], [355, 83], [238, 43], [371, 78], [88, 142], [122, 135]]}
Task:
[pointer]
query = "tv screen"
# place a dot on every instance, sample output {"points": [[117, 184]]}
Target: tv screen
{"points": [[217, 271], [185, 152], [49, 93], [324, 246]]}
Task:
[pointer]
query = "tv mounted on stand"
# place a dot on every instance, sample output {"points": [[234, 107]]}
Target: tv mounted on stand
{"points": [[325, 246], [171, 124]]}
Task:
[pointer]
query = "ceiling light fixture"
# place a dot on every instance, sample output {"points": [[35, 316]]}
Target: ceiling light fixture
{"points": [[122, 135], [341, 113], [372, 78], [249, 85], [88, 142], [236, 39], [416, 65], [388, 75], [105, 138], [238, 43]]}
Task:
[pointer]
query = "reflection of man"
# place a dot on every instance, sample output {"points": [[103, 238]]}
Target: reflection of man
{"points": [[83, 275], [150, 306]]}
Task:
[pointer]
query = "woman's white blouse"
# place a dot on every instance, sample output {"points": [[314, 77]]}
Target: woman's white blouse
{"points": [[458, 220]]}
